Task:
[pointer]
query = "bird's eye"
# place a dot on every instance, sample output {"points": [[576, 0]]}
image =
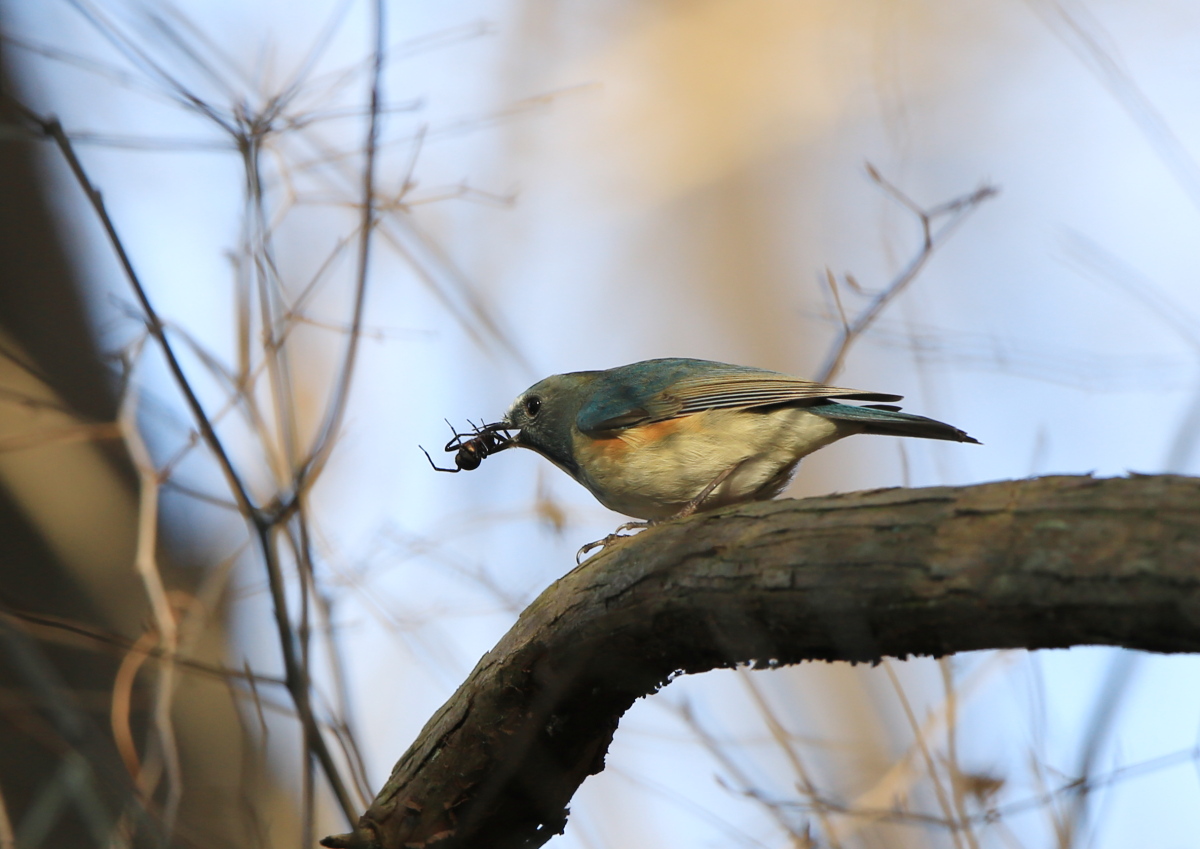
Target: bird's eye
{"points": [[532, 404]]}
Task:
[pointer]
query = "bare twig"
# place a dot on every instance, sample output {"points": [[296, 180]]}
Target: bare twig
{"points": [[297, 680], [923, 747], [51, 128], [336, 410], [958, 787], [280, 520], [784, 743], [87, 774], [342, 731], [746, 785], [122, 699], [1044, 799], [282, 452], [832, 283], [902, 775], [932, 237], [146, 563], [150, 69], [1084, 35], [1103, 264], [1105, 708], [305, 571]]}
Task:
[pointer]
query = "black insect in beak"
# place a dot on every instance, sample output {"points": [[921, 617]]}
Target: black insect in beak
{"points": [[482, 441]]}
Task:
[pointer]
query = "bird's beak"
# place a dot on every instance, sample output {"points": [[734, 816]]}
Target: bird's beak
{"points": [[502, 428], [505, 423], [518, 435]]}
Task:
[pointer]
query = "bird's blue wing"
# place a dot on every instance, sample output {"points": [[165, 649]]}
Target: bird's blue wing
{"points": [[655, 390]]}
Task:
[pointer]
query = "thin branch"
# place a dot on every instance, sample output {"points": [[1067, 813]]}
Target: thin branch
{"points": [[146, 564], [122, 701], [958, 790], [784, 743], [55, 629], [298, 683], [51, 128], [1044, 799], [336, 410], [922, 746], [1082, 33], [138, 57], [745, 783], [831, 282], [1105, 708], [955, 211], [898, 781], [342, 732]]}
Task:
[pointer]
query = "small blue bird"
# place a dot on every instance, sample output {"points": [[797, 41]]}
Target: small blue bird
{"points": [[665, 438]]}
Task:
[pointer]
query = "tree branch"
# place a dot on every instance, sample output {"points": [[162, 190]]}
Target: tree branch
{"points": [[1044, 563]]}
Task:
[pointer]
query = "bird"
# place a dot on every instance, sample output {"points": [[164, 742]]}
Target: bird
{"points": [[664, 438]]}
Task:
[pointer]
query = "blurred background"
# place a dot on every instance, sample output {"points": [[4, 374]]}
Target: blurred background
{"points": [[561, 187]]}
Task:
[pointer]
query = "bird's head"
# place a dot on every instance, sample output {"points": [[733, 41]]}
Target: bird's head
{"points": [[544, 414]]}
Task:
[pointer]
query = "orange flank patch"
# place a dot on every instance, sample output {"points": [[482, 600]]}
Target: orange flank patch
{"points": [[616, 448], [609, 449]]}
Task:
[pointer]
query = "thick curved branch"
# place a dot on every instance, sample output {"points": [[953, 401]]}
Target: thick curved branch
{"points": [[1043, 563]]}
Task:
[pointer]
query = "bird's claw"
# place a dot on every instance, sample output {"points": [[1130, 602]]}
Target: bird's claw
{"points": [[611, 538]]}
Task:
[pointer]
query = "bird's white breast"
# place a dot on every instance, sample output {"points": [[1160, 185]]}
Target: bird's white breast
{"points": [[653, 471]]}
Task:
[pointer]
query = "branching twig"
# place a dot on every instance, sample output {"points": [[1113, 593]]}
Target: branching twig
{"points": [[1105, 708], [336, 410], [264, 522], [958, 792], [779, 733], [923, 748], [897, 782], [55, 629], [745, 783], [1043, 799], [51, 128], [954, 211], [146, 563]]}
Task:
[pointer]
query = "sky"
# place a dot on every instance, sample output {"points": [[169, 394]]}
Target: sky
{"points": [[583, 185]]}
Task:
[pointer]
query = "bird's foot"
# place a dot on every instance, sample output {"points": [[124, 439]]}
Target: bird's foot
{"points": [[687, 510], [611, 538]]}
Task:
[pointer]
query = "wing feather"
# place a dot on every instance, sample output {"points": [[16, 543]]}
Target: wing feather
{"points": [[707, 392], [657, 390]]}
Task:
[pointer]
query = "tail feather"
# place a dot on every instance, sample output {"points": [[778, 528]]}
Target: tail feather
{"points": [[889, 421]]}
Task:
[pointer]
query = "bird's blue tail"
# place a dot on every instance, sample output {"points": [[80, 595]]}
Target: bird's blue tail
{"points": [[889, 421]]}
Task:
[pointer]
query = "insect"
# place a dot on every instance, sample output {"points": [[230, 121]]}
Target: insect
{"points": [[483, 441]]}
